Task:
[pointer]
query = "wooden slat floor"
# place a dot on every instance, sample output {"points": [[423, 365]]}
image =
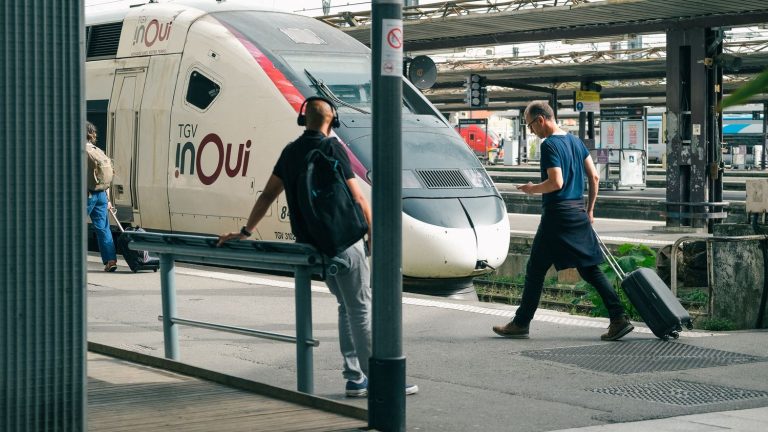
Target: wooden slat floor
{"points": [[123, 396]]}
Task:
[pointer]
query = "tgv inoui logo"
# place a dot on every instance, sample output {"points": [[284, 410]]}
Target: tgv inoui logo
{"points": [[150, 32], [187, 155]]}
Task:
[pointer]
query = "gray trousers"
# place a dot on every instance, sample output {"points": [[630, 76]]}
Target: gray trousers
{"points": [[352, 289]]}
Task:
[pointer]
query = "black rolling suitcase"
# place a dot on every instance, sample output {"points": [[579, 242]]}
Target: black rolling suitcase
{"points": [[658, 307], [137, 260]]}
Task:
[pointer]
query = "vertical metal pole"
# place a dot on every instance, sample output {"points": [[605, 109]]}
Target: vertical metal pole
{"points": [[522, 142], [702, 95], [582, 114], [553, 100], [304, 366], [168, 294], [487, 156], [677, 74], [386, 399], [713, 131]]}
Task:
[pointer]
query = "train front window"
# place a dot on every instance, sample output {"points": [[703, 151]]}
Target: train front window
{"points": [[347, 77]]}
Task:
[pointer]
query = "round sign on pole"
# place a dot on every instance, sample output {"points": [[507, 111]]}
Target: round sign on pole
{"points": [[422, 72], [395, 38]]}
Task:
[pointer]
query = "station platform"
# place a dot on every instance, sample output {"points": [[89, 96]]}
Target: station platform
{"points": [[562, 378], [612, 231], [130, 397]]}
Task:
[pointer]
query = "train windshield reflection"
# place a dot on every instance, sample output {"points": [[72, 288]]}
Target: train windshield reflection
{"points": [[348, 77]]}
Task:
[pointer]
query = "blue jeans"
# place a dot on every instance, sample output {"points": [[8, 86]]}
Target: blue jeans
{"points": [[352, 289], [97, 211]]}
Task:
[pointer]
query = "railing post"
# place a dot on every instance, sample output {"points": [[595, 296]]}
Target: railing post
{"points": [[304, 368], [168, 293]]}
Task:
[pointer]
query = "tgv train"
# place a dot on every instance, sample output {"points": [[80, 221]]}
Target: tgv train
{"points": [[195, 99]]}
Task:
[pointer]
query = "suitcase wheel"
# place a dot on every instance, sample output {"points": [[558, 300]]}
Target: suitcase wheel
{"points": [[689, 325], [675, 335], [154, 270]]}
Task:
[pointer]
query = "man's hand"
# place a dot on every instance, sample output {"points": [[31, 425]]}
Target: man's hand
{"points": [[527, 188], [229, 236], [591, 217]]}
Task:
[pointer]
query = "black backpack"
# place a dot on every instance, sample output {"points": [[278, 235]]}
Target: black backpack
{"points": [[332, 217]]}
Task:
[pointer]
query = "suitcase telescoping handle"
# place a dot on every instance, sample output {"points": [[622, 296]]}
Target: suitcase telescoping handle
{"points": [[609, 257], [113, 212]]}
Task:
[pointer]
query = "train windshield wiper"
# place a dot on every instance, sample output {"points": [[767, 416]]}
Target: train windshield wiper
{"points": [[327, 92]]}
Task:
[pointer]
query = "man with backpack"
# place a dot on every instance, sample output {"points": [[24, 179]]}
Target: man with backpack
{"points": [[99, 177], [352, 287]]}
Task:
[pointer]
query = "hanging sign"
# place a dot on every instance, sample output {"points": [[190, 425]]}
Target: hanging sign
{"points": [[587, 101]]}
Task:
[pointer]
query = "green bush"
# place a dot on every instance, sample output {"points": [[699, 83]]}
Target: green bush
{"points": [[695, 296], [630, 257], [716, 324]]}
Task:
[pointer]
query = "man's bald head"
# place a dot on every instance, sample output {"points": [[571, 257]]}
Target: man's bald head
{"points": [[319, 115]]}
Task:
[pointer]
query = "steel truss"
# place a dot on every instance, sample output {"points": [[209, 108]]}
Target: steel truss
{"points": [[440, 10]]}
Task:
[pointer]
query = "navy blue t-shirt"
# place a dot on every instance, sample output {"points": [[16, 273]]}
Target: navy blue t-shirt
{"points": [[567, 153]]}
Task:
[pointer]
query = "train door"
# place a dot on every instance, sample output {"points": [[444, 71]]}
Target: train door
{"points": [[124, 127], [153, 142]]}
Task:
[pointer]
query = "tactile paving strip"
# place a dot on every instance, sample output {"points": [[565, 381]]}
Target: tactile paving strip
{"points": [[642, 356], [681, 393]]}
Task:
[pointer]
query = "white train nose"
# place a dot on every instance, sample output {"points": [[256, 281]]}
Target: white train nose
{"points": [[434, 251]]}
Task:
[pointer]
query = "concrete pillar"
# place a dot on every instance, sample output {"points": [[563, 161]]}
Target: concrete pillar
{"points": [[43, 294], [694, 81]]}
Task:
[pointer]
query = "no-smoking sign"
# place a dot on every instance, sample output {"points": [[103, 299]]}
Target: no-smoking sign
{"points": [[392, 47], [395, 38]]}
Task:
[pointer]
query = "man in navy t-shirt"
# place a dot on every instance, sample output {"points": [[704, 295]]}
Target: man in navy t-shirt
{"points": [[565, 237]]}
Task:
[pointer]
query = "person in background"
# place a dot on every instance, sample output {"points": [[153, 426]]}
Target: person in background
{"points": [[97, 209], [565, 236]]}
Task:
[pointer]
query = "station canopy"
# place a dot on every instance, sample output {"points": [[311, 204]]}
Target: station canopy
{"points": [[452, 24], [629, 76]]}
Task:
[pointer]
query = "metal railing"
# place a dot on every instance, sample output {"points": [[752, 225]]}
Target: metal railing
{"points": [[300, 259]]}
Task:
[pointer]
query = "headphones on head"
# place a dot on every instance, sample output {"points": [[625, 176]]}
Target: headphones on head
{"points": [[302, 119]]}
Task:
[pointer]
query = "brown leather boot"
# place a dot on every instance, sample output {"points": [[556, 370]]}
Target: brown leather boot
{"points": [[511, 331], [618, 328]]}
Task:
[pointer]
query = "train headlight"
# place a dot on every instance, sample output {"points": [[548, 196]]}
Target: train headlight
{"points": [[477, 177]]}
